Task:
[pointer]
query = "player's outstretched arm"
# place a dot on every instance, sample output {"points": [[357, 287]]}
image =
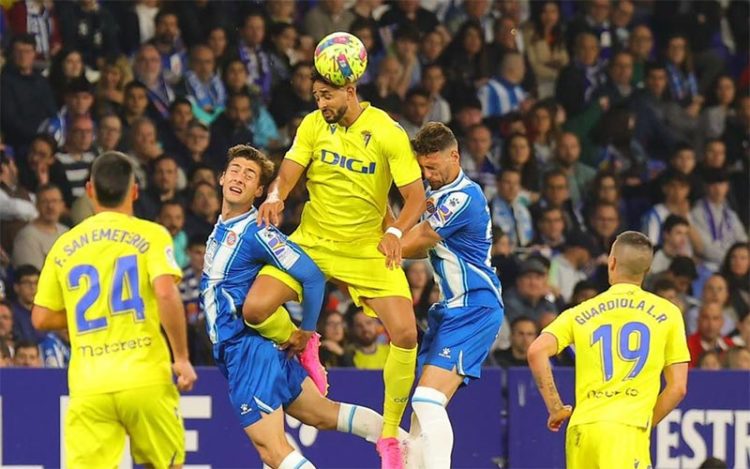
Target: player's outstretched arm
{"points": [[45, 319], [172, 316], [418, 241], [278, 190], [539, 353], [414, 205], [675, 390]]}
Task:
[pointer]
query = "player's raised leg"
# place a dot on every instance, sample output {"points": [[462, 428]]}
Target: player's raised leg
{"points": [[397, 316], [268, 437]]}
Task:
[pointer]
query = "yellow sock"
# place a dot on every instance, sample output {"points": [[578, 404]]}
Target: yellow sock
{"points": [[278, 327], [398, 375]]}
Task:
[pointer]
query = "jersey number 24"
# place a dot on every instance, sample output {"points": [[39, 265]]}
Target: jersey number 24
{"points": [[126, 272], [637, 354]]}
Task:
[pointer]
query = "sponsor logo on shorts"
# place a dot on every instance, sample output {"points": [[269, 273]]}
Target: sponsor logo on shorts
{"points": [[245, 409], [445, 353]]}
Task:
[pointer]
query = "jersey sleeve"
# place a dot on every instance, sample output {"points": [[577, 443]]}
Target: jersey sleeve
{"points": [[676, 349], [49, 293], [562, 329], [401, 159], [160, 258], [277, 250], [302, 148], [453, 212]]}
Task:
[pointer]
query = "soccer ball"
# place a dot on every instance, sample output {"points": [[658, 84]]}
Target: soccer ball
{"points": [[341, 58]]}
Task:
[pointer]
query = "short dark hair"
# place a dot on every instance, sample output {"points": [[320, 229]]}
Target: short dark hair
{"points": [[303, 63], [171, 203], [655, 65], [165, 12], [135, 84], [79, 85], [673, 221], [111, 175], [23, 38], [679, 148], [196, 240], [25, 270], [46, 188], [552, 173], [432, 137], [164, 157], [48, 139], [180, 101], [507, 170], [521, 319], [663, 284], [253, 154], [26, 343], [417, 91]]}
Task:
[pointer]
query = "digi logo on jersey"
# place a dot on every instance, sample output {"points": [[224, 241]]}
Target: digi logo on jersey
{"points": [[346, 162]]}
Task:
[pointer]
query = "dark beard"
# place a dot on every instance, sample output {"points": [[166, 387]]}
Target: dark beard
{"points": [[337, 116]]}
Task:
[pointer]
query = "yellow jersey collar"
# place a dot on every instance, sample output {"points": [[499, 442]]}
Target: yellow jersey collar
{"points": [[364, 105], [623, 287]]}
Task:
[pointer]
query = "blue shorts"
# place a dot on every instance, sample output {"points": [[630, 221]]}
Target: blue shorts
{"points": [[261, 378], [459, 338]]}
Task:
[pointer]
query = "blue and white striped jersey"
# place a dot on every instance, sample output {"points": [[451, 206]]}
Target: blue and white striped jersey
{"points": [[236, 251], [458, 212]]}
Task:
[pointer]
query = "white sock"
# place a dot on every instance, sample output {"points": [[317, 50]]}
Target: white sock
{"points": [[294, 460], [413, 446], [362, 421], [437, 433]]}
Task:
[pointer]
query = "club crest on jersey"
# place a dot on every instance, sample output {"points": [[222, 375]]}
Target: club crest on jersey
{"points": [[366, 136], [430, 206], [231, 238]]}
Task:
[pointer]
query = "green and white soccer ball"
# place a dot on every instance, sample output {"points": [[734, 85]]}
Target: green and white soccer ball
{"points": [[341, 58]]}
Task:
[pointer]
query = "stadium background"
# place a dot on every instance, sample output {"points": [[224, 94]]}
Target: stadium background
{"points": [[579, 119]]}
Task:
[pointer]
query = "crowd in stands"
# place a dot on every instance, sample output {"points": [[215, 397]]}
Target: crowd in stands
{"points": [[580, 119]]}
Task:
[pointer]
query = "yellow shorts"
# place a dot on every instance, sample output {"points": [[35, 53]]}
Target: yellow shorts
{"points": [[607, 445], [358, 264], [96, 425]]}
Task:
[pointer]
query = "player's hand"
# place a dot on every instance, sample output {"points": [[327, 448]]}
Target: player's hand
{"points": [[185, 375], [558, 417], [269, 211], [390, 247], [297, 342]]}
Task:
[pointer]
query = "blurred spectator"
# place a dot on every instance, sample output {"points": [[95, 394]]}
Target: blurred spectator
{"points": [[518, 154], [141, 24], [737, 134], [555, 193], [66, 67], [334, 349], [550, 234], [466, 114], [26, 355], [366, 29], [676, 189], [618, 87], [503, 94], [508, 213], [76, 155], [419, 276], [741, 336], [203, 211], [543, 130], [368, 353], [25, 280], [172, 217], [231, 128], [674, 241], [42, 168], [283, 37], [173, 132], [199, 18], [579, 79], [191, 279], [567, 268], [718, 225], [715, 290], [416, 108], [35, 240], [410, 13], [641, 47], [253, 54], [736, 269], [618, 150], [545, 45], [218, 41], [55, 347], [683, 85], [27, 98], [109, 134], [507, 40], [466, 62], [714, 117], [531, 296], [202, 85], [91, 29], [148, 69], [503, 260], [479, 11], [197, 141], [594, 21], [164, 187], [433, 80], [709, 360], [79, 98], [682, 160], [567, 159], [38, 18], [110, 89], [405, 46], [714, 155], [708, 336], [604, 224], [523, 331], [6, 325], [326, 17], [293, 97], [136, 106], [383, 91], [168, 42], [16, 207], [666, 289], [738, 358], [622, 16], [583, 291], [479, 160], [144, 149]]}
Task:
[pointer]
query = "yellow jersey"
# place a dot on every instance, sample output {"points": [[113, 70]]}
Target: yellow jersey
{"points": [[371, 361], [101, 273], [623, 339], [350, 171]]}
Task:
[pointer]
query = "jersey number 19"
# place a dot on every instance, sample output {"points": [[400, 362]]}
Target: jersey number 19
{"points": [[637, 354]]}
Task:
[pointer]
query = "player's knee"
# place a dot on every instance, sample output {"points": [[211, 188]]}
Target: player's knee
{"points": [[254, 311], [404, 338], [272, 452], [322, 416]]}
